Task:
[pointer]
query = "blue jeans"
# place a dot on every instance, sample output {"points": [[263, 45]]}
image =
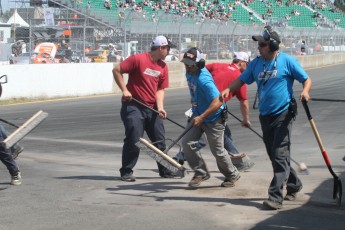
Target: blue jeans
{"points": [[136, 120], [277, 138], [6, 155], [228, 142]]}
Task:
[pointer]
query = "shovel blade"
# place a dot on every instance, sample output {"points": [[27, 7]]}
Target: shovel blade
{"points": [[337, 191]]}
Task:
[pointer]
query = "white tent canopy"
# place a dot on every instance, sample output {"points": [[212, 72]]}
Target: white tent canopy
{"points": [[16, 19]]}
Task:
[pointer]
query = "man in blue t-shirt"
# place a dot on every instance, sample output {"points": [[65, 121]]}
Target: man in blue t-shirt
{"points": [[207, 118], [274, 73]]}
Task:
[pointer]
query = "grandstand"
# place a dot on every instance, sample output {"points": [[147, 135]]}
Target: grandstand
{"points": [[213, 25], [292, 13]]}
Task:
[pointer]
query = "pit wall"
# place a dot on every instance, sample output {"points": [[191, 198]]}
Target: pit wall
{"points": [[84, 79]]}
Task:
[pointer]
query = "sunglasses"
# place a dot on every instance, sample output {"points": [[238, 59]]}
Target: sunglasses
{"points": [[262, 44]]}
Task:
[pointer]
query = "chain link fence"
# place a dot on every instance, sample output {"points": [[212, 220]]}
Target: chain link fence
{"points": [[132, 32]]}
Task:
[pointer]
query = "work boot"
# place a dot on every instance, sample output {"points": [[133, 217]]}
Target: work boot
{"points": [[196, 180], [231, 182]]}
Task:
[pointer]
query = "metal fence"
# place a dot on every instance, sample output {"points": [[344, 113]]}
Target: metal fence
{"points": [[218, 39]]}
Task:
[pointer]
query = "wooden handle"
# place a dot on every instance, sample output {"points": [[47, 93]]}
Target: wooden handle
{"points": [[159, 152]]}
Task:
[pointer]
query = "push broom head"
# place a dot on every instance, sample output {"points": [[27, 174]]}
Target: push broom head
{"points": [[24, 129], [161, 157]]}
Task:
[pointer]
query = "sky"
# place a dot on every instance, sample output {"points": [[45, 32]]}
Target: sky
{"points": [[6, 5]]}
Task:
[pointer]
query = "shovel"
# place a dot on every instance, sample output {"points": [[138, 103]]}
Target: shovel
{"points": [[337, 188]]}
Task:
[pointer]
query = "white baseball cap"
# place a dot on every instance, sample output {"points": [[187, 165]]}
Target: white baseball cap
{"points": [[162, 41], [243, 56]]}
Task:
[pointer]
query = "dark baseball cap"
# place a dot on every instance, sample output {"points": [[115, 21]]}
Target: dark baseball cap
{"points": [[266, 36], [192, 56]]}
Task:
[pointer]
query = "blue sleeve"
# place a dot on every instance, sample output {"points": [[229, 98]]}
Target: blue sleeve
{"points": [[209, 87], [248, 75], [296, 70]]}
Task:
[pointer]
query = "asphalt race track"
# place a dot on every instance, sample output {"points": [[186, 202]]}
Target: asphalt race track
{"points": [[71, 180]]}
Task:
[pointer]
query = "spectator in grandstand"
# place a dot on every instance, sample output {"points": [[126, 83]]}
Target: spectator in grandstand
{"points": [[7, 156], [274, 73], [88, 5], [147, 79], [107, 4], [209, 118]]}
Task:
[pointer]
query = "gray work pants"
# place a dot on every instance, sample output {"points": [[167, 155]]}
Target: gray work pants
{"points": [[215, 136]]}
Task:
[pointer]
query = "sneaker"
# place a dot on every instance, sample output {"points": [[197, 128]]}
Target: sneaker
{"points": [[291, 196], [128, 178], [196, 180], [272, 205], [16, 179], [230, 182], [245, 166], [16, 150]]}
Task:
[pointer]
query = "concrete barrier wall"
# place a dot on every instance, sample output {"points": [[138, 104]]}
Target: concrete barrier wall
{"points": [[68, 80], [57, 80]]}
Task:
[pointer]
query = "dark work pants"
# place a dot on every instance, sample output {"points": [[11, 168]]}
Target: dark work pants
{"points": [[6, 155], [277, 138], [136, 120]]}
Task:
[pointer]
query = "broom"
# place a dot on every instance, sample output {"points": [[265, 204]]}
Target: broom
{"points": [[24, 129], [162, 157]]}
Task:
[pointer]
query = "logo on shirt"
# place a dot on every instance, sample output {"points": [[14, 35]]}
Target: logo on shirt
{"points": [[231, 68], [267, 75], [151, 72]]}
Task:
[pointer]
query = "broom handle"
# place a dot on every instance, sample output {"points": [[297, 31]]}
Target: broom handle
{"points": [[247, 127], [9, 123], [328, 100], [179, 138], [318, 138], [156, 111], [260, 136]]}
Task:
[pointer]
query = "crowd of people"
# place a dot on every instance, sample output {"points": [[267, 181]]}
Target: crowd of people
{"points": [[215, 9], [210, 86]]}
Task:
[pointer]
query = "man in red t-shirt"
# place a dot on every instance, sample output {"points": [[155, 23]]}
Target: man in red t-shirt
{"points": [[147, 79], [223, 74]]}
